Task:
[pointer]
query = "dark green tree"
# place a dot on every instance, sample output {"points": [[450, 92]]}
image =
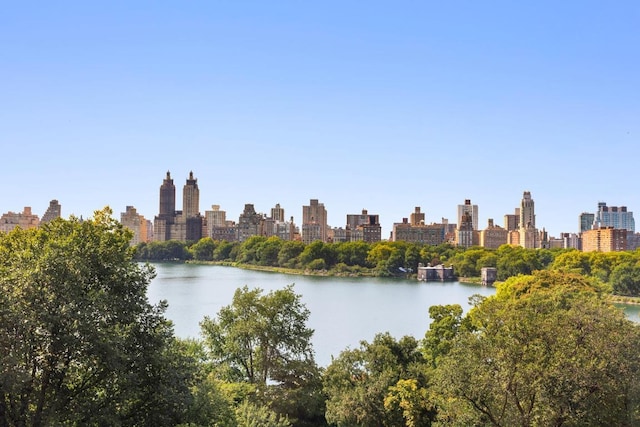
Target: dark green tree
{"points": [[79, 342], [546, 350], [289, 252], [625, 279], [222, 252], [267, 252], [203, 249]]}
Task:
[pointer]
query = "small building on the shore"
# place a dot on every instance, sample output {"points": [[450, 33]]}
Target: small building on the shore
{"points": [[488, 275], [437, 273]]}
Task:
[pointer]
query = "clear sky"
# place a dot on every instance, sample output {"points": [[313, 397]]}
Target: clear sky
{"points": [[370, 105]]}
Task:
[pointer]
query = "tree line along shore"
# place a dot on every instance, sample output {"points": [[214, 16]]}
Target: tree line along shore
{"points": [[619, 272]]}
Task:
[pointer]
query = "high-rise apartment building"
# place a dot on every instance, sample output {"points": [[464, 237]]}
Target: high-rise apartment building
{"points": [[415, 230], [493, 236], [472, 210], [614, 216], [53, 211], [363, 227], [24, 220], [314, 222], [604, 239], [249, 223], [466, 236], [215, 217], [276, 225], [431, 234], [137, 224]]}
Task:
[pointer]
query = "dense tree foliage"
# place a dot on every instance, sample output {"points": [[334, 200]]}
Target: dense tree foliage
{"points": [[382, 383], [79, 343], [263, 340], [545, 350]]}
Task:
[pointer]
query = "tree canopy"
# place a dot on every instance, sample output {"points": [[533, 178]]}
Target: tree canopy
{"points": [[546, 350], [79, 342]]}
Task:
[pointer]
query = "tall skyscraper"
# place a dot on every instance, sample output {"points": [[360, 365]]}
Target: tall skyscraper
{"points": [[314, 222], [614, 216], [191, 197], [191, 210], [167, 199], [472, 210], [529, 237], [527, 211]]}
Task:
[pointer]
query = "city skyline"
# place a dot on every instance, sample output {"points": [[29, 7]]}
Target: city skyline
{"points": [[191, 207], [382, 108]]}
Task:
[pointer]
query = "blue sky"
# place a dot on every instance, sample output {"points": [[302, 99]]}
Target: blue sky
{"points": [[381, 106]]}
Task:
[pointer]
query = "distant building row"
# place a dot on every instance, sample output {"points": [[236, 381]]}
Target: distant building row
{"points": [[189, 225], [609, 229], [26, 219]]}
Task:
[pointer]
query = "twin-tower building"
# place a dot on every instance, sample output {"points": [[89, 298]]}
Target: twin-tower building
{"points": [[182, 225]]}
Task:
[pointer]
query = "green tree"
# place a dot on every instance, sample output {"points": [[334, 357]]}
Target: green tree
{"points": [[573, 261], [546, 350], [414, 401], [263, 340], [625, 280], [268, 252], [515, 260], [79, 342], [358, 381], [311, 252], [289, 252], [446, 321], [251, 415], [353, 253], [248, 252], [203, 249], [169, 250], [222, 252], [412, 257]]}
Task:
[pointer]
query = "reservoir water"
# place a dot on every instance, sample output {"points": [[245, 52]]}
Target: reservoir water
{"points": [[344, 311]]}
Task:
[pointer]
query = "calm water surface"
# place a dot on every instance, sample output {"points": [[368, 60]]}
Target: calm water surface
{"points": [[344, 311]]}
